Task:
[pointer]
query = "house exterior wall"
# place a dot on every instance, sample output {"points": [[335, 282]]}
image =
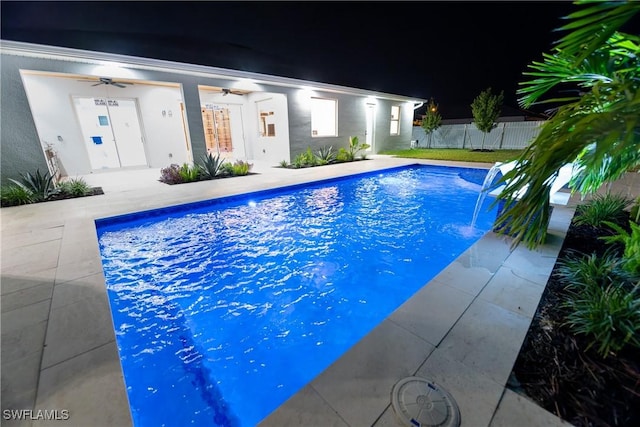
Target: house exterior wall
{"points": [[20, 147], [384, 139], [51, 103], [22, 141], [271, 149]]}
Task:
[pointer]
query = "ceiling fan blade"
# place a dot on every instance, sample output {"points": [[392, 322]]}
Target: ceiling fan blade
{"points": [[98, 84], [118, 84]]}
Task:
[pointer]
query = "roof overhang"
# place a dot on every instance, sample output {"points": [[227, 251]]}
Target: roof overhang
{"points": [[15, 48]]}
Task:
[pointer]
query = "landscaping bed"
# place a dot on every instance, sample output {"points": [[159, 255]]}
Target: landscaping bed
{"points": [[93, 191], [38, 188], [328, 156], [557, 369]]}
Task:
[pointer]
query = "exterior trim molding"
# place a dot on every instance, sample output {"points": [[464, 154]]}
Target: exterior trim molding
{"points": [[101, 58]]}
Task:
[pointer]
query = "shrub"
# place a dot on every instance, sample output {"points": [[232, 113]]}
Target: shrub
{"points": [[355, 147], [189, 173], [635, 211], [631, 242], [41, 186], [171, 174], [284, 164], [210, 167], [13, 195], [326, 155], [344, 155], [241, 167], [610, 316], [602, 208], [76, 187], [310, 159], [226, 169], [299, 161], [578, 271]]}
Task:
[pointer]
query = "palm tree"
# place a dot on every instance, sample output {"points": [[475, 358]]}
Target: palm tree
{"points": [[598, 131]]}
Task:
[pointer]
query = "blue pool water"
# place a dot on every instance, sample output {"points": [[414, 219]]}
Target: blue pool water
{"points": [[224, 309]]}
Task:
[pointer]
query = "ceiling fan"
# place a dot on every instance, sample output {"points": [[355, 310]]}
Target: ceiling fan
{"points": [[108, 81], [226, 92]]}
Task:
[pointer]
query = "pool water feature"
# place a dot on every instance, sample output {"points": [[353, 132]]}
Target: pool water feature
{"points": [[224, 309]]}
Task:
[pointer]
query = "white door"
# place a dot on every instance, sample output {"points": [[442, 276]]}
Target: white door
{"points": [[111, 131], [95, 124], [127, 132], [371, 118]]}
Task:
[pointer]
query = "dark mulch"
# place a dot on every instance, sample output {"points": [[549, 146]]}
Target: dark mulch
{"points": [[94, 191], [555, 370], [334, 162], [206, 179]]}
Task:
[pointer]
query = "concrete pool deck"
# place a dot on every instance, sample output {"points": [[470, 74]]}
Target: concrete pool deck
{"points": [[463, 331]]}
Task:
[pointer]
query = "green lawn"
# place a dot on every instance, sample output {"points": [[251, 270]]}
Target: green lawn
{"points": [[461, 155]]}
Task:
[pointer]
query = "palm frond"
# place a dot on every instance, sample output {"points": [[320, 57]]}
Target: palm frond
{"points": [[604, 145], [595, 24]]}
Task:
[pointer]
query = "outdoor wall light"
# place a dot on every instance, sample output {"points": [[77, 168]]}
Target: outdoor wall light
{"points": [[246, 84], [113, 69], [305, 94]]}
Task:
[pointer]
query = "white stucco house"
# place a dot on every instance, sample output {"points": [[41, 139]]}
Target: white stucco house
{"points": [[77, 112]]}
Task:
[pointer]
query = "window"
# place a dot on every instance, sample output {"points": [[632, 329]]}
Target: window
{"points": [[267, 124], [395, 120], [323, 117]]}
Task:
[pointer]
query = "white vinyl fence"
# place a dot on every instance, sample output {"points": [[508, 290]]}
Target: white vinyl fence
{"points": [[506, 136]]}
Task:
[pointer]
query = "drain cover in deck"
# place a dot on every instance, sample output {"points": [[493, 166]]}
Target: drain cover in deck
{"points": [[421, 403]]}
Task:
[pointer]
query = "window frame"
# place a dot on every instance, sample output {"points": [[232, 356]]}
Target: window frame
{"points": [[335, 117], [395, 120]]}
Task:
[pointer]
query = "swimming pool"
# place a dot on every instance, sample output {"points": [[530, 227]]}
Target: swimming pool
{"points": [[223, 309]]}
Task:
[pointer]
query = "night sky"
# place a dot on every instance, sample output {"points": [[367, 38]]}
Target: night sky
{"points": [[450, 51]]}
